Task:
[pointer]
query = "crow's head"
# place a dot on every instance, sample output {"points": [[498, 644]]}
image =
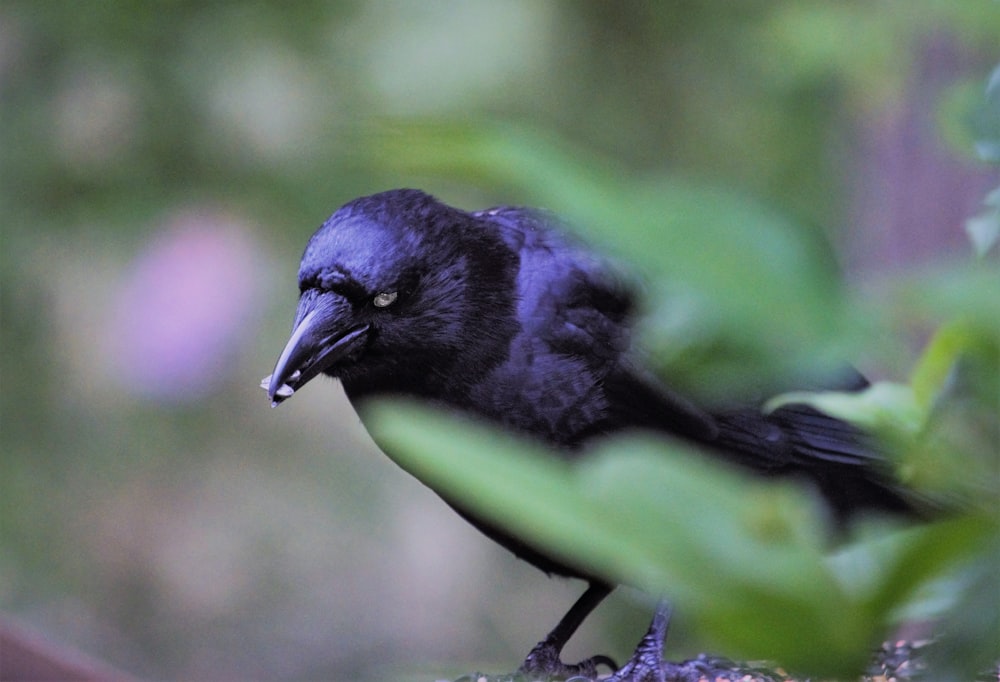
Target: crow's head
{"points": [[394, 289]]}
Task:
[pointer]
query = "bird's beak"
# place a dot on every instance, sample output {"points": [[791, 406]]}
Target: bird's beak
{"points": [[322, 335]]}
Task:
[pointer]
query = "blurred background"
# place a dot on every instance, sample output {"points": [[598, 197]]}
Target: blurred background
{"points": [[161, 167]]}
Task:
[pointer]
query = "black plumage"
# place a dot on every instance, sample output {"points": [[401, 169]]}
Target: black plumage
{"points": [[500, 313]]}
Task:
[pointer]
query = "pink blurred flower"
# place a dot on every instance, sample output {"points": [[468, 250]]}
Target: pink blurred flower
{"points": [[187, 307]]}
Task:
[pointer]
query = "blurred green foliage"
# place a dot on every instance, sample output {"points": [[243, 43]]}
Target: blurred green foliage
{"points": [[744, 558], [735, 551], [197, 534]]}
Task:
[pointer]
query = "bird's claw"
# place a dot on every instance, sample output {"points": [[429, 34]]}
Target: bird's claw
{"points": [[544, 661], [646, 664], [642, 667]]}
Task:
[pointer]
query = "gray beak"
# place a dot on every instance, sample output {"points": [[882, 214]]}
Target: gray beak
{"points": [[321, 336]]}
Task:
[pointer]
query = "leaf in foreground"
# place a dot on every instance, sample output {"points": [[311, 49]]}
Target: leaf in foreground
{"points": [[745, 559]]}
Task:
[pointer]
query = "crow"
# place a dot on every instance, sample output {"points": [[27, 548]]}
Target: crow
{"points": [[504, 315]]}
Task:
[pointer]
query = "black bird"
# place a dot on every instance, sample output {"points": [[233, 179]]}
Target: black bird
{"points": [[502, 314]]}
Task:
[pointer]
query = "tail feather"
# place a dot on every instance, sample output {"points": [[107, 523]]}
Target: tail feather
{"points": [[844, 463]]}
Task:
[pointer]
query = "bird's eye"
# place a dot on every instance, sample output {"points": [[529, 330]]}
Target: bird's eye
{"points": [[384, 299]]}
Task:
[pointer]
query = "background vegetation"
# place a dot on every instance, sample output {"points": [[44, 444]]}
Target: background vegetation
{"points": [[794, 179]]}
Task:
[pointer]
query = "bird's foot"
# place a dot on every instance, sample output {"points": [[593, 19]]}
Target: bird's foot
{"points": [[646, 663], [543, 661]]}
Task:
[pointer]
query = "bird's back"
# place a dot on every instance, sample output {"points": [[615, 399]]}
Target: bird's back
{"points": [[571, 375]]}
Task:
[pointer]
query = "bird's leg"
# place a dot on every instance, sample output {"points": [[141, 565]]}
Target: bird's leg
{"points": [[646, 664], [544, 658]]}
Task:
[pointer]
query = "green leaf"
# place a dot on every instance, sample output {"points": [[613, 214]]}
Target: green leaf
{"points": [[742, 558], [907, 560], [936, 363], [884, 407], [899, 411], [971, 629]]}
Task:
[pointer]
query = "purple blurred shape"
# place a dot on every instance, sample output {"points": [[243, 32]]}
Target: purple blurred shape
{"points": [[187, 308]]}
